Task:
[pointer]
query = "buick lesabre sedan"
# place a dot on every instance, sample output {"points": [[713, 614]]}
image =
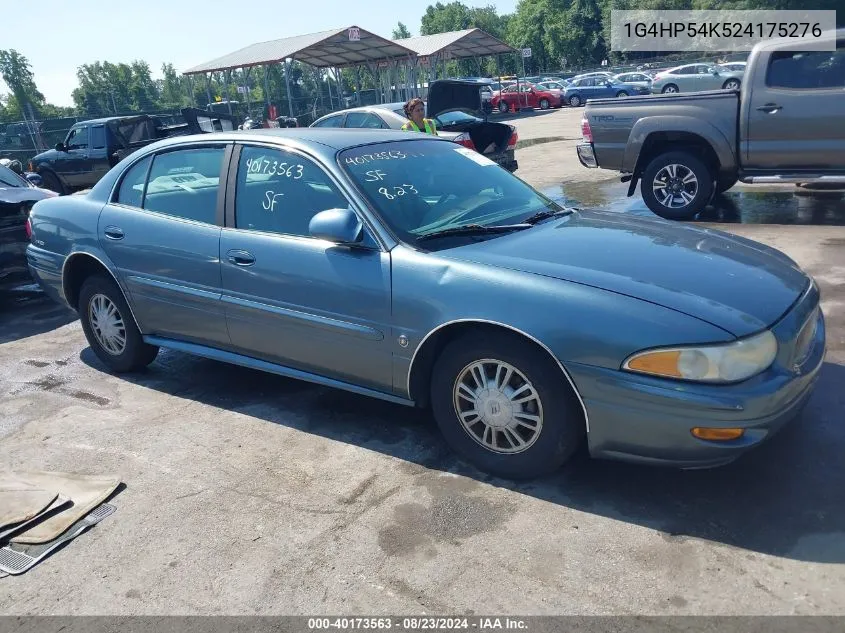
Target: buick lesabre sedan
{"points": [[412, 269]]}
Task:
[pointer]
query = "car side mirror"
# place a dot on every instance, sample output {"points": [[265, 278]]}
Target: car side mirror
{"points": [[34, 178], [715, 72], [340, 226], [608, 83], [60, 147]]}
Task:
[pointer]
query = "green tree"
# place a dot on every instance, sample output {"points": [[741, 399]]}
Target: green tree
{"points": [[401, 32], [17, 74]]}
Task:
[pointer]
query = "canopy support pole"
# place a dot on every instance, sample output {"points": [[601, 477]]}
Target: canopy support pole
{"points": [[208, 89], [287, 87]]}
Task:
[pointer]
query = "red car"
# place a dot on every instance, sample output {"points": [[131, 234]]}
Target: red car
{"points": [[529, 96]]}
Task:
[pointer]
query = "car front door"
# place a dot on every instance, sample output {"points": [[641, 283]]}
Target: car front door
{"points": [[292, 299], [74, 164], [795, 112], [162, 232], [364, 120]]}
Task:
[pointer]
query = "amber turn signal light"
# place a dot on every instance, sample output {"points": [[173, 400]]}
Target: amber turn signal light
{"points": [[719, 435]]}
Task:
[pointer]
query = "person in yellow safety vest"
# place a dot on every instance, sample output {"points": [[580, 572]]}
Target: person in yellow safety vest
{"points": [[415, 111]]}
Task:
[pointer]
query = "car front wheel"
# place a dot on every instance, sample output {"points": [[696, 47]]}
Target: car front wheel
{"points": [[670, 89], [503, 107], [544, 104], [574, 101], [110, 328], [505, 406], [731, 84], [676, 185]]}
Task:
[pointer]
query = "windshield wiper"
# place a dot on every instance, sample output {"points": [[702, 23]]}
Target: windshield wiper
{"points": [[473, 229], [546, 213]]}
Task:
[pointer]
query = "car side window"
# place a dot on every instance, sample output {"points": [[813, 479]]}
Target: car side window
{"points": [[78, 138], [98, 137], [807, 70], [332, 121], [131, 191], [184, 183], [279, 192], [363, 120]]}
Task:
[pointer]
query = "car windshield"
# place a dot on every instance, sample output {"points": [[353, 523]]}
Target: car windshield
{"points": [[420, 187], [10, 179]]}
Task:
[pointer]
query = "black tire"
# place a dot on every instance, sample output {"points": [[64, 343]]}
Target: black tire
{"points": [[723, 183], [52, 182], [732, 84], [136, 354], [563, 426], [621, 93], [544, 104], [503, 107], [703, 191], [670, 88], [574, 101]]}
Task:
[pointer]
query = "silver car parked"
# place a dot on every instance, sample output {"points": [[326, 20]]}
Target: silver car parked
{"points": [[696, 78], [412, 269]]}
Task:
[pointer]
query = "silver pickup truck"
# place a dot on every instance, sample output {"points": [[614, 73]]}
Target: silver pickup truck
{"points": [[785, 125]]}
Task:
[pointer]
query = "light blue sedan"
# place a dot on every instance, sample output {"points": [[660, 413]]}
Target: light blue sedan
{"points": [[412, 269]]}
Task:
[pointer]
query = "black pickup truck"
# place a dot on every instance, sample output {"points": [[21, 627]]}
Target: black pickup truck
{"points": [[785, 125], [92, 148]]}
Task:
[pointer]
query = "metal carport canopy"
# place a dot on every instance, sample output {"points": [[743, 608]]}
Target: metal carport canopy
{"points": [[336, 48], [456, 44]]}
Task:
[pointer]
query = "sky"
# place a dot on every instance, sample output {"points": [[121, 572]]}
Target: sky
{"points": [[184, 32]]}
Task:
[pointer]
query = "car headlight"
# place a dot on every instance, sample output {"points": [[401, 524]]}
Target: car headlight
{"points": [[733, 362]]}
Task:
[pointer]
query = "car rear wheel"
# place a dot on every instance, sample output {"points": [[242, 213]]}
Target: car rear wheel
{"points": [[731, 84], [52, 182], [504, 405], [574, 101], [676, 185], [621, 94], [544, 104], [110, 328], [671, 88], [503, 107]]}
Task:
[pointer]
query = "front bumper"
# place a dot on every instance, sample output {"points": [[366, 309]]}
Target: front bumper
{"points": [[586, 155], [647, 420]]}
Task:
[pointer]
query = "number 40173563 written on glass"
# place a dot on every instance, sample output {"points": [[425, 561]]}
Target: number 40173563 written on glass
{"points": [[273, 168]]}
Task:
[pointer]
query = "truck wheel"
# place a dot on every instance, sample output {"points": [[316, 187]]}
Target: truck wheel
{"points": [[503, 107], [676, 185], [52, 182], [723, 183], [574, 101], [505, 406], [731, 84], [670, 88]]}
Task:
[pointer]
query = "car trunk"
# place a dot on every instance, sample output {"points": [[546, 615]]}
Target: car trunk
{"points": [[445, 96]]}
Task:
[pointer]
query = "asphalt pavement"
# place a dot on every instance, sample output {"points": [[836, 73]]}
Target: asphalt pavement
{"points": [[247, 493]]}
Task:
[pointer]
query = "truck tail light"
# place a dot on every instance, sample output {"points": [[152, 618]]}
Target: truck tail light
{"points": [[513, 139], [465, 140], [586, 132]]}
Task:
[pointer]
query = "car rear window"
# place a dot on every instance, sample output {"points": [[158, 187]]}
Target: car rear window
{"points": [[422, 186]]}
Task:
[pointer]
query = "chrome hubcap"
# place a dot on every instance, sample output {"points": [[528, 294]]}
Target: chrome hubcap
{"points": [[675, 186], [107, 324], [498, 406]]}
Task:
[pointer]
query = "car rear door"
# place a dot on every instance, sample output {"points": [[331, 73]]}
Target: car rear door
{"points": [[292, 299], [162, 232], [364, 120], [795, 111]]}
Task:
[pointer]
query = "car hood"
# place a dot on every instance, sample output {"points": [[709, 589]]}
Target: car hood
{"points": [[730, 282], [445, 95], [47, 156]]}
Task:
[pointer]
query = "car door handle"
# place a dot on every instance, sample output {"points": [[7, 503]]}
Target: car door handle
{"points": [[114, 233], [240, 258], [769, 107]]}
